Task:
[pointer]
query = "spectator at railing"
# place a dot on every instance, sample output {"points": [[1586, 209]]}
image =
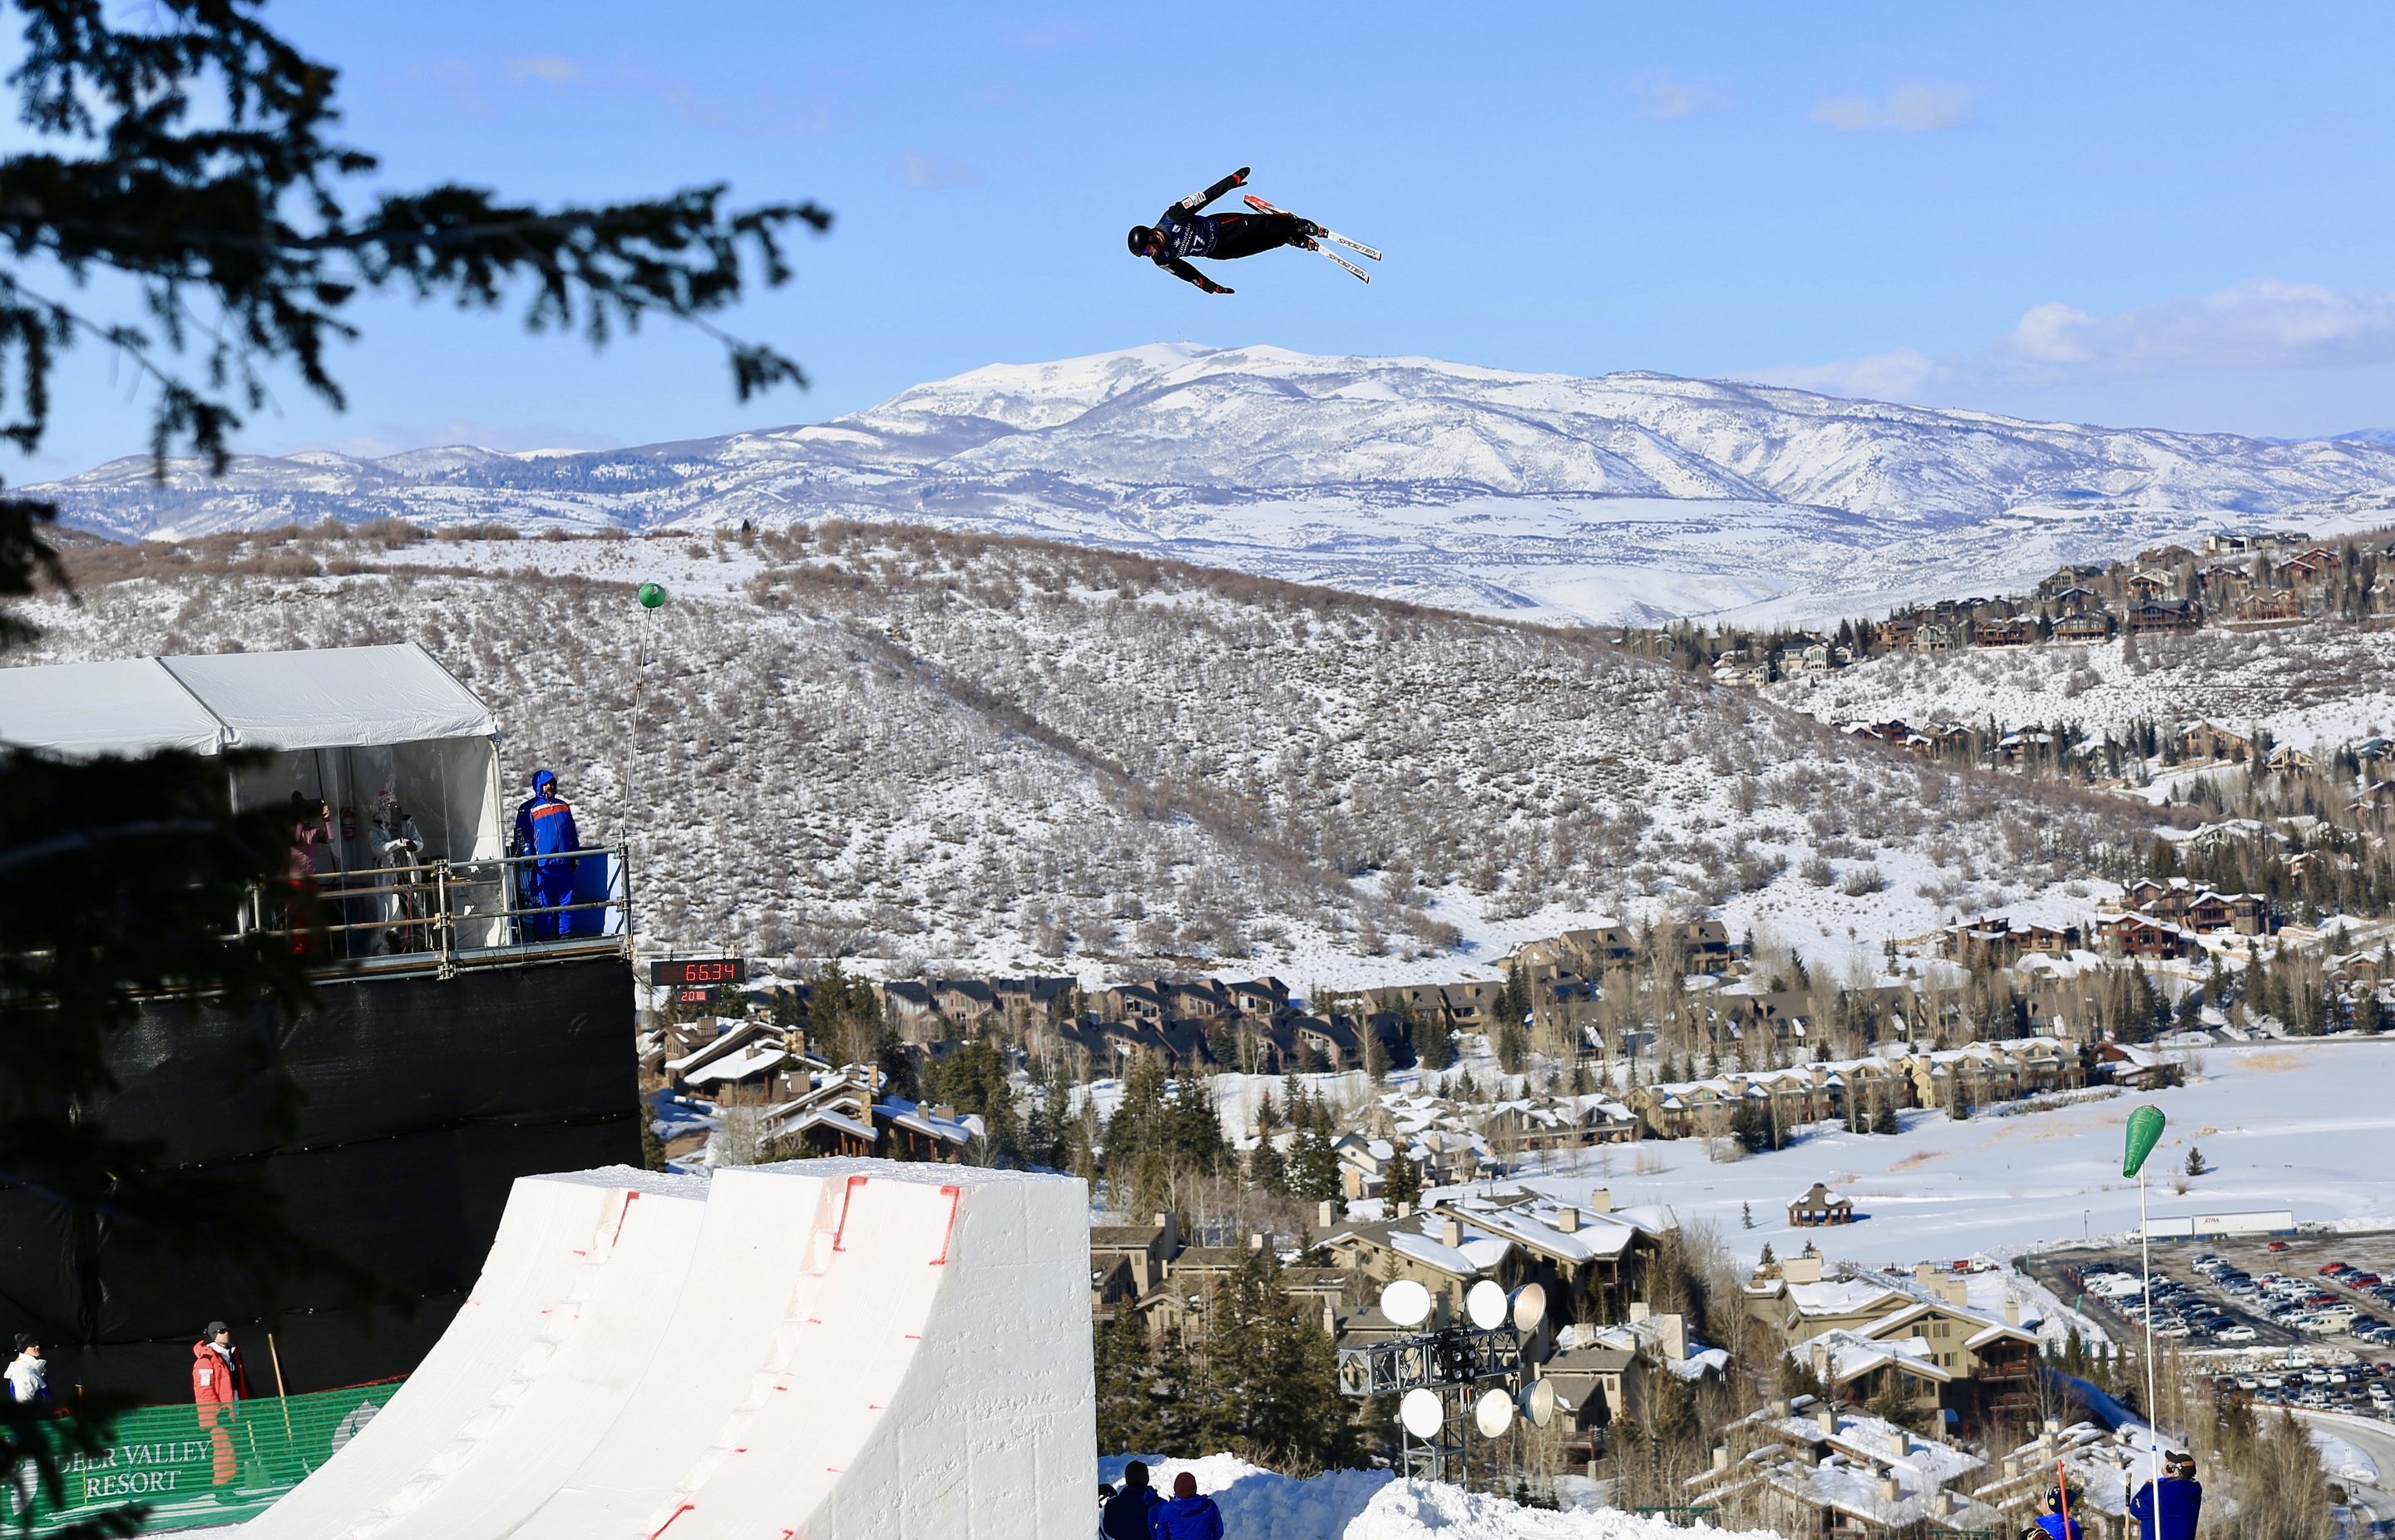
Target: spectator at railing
{"points": [[545, 828]]}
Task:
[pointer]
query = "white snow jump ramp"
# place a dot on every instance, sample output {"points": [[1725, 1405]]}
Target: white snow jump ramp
{"points": [[819, 1348]]}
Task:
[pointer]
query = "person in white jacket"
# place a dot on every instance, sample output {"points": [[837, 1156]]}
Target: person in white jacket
{"points": [[29, 1374]]}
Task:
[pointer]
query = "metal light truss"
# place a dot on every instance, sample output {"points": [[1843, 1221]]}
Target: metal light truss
{"points": [[1459, 1355]]}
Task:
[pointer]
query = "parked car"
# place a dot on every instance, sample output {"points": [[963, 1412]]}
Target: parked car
{"points": [[2331, 1270], [2276, 1246], [2237, 1334]]}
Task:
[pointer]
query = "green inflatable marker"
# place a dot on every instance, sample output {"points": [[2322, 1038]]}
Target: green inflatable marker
{"points": [[2145, 1129], [652, 595]]}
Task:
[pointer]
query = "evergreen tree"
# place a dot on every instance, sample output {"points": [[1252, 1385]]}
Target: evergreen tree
{"points": [[1376, 1054], [1267, 1172], [2195, 1166], [1127, 1389], [1401, 1181], [1268, 1387], [1884, 1119], [653, 1149]]}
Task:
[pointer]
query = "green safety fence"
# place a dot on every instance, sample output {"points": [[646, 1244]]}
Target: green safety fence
{"points": [[196, 1465]]}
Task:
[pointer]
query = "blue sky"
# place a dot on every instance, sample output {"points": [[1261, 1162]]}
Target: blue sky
{"points": [[2173, 214]]}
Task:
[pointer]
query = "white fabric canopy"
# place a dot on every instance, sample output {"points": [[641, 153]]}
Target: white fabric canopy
{"points": [[333, 697], [129, 706]]}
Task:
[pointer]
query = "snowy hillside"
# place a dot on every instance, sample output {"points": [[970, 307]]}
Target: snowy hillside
{"points": [[1010, 754], [2321, 684], [1632, 496]]}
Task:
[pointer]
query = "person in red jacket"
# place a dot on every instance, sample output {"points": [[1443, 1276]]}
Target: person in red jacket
{"points": [[219, 1384]]}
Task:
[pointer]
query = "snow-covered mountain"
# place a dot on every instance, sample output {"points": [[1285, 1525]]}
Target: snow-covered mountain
{"points": [[1632, 495]]}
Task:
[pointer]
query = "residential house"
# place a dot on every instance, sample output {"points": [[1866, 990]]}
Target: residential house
{"points": [[2270, 604], [1937, 637], [2164, 614], [2310, 566], [1822, 1470], [2145, 586], [2092, 624], [2206, 741], [2009, 631], [1141, 1253], [2144, 936], [2287, 759]]}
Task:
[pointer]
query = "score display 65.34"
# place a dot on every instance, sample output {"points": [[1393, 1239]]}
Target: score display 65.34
{"points": [[695, 980]]}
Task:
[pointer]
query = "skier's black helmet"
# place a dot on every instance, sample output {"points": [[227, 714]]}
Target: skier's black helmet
{"points": [[1140, 235]]}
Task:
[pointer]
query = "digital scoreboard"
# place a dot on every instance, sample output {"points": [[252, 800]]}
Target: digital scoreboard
{"points": [[695, 980]]}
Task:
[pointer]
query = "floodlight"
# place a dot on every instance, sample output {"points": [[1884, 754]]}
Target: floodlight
{"points": [[1422, 1413], [1493, 1414], [1405, 1303], [1538, 1402], [1528, 1306], [1486, 1304]]}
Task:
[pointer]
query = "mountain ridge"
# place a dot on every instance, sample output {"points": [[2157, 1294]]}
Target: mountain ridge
{"points": [[1634, 495]]}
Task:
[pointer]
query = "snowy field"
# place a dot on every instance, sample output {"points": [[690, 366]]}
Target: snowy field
{"points": [[2305, 1126]]}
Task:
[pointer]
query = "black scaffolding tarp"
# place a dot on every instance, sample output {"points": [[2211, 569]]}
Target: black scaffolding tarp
{"points": [[421, 1100]]}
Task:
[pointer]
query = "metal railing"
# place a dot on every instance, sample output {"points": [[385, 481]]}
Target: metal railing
{"points": [[441, 915]]}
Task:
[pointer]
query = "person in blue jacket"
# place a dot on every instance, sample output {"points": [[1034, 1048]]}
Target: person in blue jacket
{"points": [[1128, 1511], [545, 828], [1187, 1515], [2054, 1521], [2168, 1510]]}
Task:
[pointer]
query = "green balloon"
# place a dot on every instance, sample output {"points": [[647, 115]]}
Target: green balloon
{"points": [[652, 595], [2145, 1129]]}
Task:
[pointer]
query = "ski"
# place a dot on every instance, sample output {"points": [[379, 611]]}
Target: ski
{"points": [[1342, 261], [1262, 207]]}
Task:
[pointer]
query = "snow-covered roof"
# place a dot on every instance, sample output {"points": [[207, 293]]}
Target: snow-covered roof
{"points": [[331, 697], [1847, 1354], [749, 1060], [1836, 1297]]}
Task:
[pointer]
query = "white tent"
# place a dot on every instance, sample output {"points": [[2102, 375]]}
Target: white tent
{"points": [[333, 697], [383, 735]]}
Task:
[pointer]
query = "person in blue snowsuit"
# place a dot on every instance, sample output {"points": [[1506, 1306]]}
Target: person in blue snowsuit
{"points": [[1130, 1513], [545, 828], [1182, 233], [2168, 1510], [1187, 1515], [2053, 1523]]}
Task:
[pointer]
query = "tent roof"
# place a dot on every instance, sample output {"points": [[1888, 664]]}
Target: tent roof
{"points": [[129, 706], [333, 697]]}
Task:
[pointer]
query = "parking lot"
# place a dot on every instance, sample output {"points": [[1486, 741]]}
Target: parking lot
{"points": [[2246, 1292]]}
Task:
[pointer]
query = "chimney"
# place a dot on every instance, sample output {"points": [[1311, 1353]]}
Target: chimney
{"points": [[1404, 1211], [1954, 1292], [1779, 1406], [1898, 1444], [1675, 1335], [1890, 1492], [2053, 1427], [2012, 1311], [1640, 1310], [1924, 1272], [1800, 1269], [1948, 1504], [2012, 1466], [1826, 1417], [1600, 1200], [1721, 1457], [1256, 1242], [1452, 1232], [1568, 1219], [1326, 1214]]}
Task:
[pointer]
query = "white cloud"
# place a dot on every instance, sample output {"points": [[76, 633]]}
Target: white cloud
{"points": [[2264, 325], [935, 171], [549, 69], [1664, 97], [1911, 107]]}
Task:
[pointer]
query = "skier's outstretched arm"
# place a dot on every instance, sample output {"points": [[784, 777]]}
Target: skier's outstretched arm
{"points": [[1197, 201], [1188, 274]]}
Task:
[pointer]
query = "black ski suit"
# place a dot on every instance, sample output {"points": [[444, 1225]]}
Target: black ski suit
{"points": [[1188, 234]]}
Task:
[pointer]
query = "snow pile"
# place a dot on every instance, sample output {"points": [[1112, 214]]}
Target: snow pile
{"points": [[1372, 1504]]}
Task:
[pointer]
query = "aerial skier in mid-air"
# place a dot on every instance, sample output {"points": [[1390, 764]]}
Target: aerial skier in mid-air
{"points": [[1183, 232]]}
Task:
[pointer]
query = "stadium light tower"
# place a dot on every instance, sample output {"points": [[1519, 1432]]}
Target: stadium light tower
{"points": [[1454, 1381]]}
